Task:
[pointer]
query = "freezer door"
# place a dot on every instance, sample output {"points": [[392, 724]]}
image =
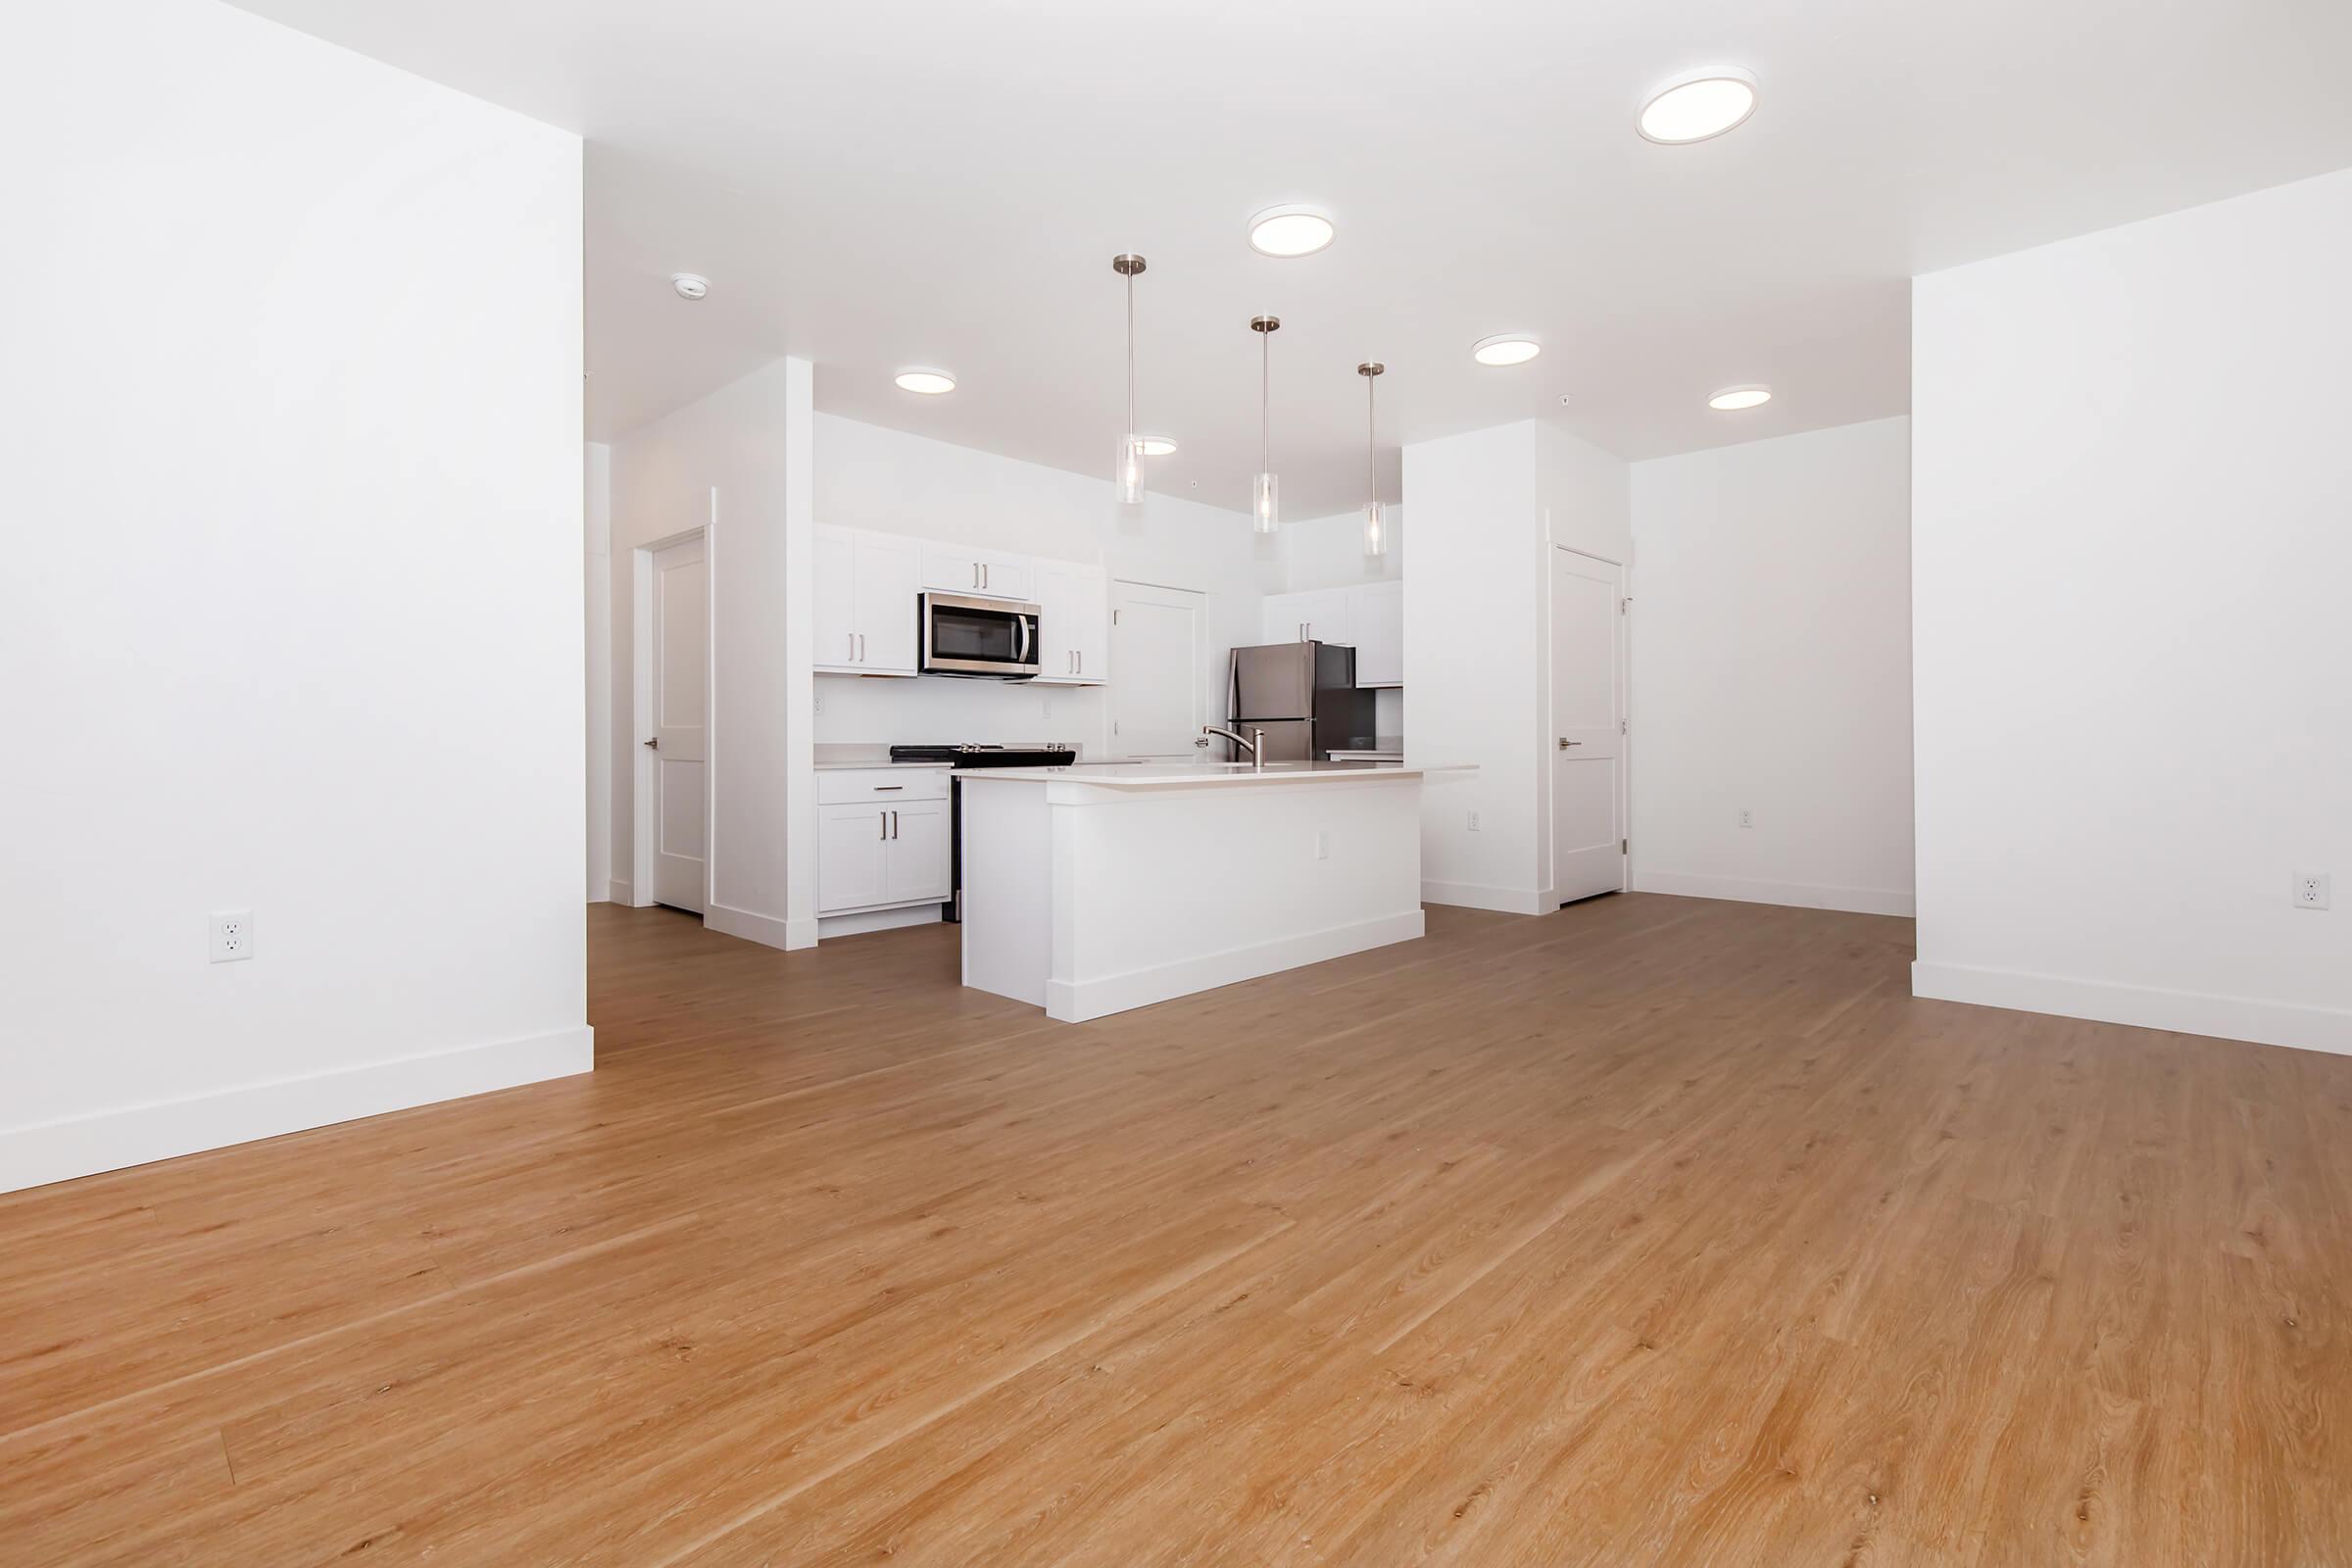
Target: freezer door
{"points": [[1276, 681]]}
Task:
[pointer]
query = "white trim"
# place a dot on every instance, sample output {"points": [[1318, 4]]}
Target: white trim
{"points": [[1476, 895], [1075, 1001], [861, 921], [111, 1140], [769, 930], [1797, 895], [2189, 1012], [620, 893]]}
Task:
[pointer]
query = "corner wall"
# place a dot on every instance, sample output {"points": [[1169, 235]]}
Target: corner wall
{"points": [[2129, 555], [298, 589], [1772, 668], [732, 463]]}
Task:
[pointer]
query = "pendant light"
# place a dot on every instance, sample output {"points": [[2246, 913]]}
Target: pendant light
{"points": [[1127, 475], [1376, 526], [1265, 497]]}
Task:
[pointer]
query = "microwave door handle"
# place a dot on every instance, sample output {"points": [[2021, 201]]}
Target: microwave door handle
{"points": [[1020, 624]]}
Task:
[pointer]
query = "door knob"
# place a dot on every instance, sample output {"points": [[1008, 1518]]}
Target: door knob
{"points": [[654, 743], [1565, 742]]}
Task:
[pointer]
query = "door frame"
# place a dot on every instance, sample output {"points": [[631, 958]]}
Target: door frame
{"points": [[641, 709], [1625, 713]]}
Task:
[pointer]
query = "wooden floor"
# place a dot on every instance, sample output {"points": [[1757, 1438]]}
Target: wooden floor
{"points": [[1658, 1230]]}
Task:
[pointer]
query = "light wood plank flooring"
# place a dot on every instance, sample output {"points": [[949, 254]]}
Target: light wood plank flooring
{"points": [[1658, 1230]]}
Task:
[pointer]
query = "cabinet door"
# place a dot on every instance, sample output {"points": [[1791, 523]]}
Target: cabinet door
{"points": [[883, 609], [836, 583], [1007, 576], [914, 859], [1086, 607], [1376, 615], [1057, 650], [851, 842], [1325, 611], [1281, 620], [949, 569]]}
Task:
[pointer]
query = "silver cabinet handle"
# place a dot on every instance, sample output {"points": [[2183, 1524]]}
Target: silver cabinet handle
{"points": [[886, 788], [983, 574], [861, 648], [852, 657], [882, 821], [893, 824]]}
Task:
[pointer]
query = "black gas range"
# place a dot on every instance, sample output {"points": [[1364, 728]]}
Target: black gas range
{"points": [[1028, 754], [1024, 754]]}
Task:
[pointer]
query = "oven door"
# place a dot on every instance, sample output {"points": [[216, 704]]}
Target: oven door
{"points": [[965, 635]]}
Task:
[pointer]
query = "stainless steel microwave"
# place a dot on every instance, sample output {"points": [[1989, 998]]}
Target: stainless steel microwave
{"points": [[964, 634]]}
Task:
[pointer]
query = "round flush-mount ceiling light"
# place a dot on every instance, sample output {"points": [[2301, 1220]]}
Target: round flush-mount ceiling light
{"points": [[930, 383], [1732, 399], [1698, 104], [690, 285], [1506, 348], [1289, 231], [1154, 446]]}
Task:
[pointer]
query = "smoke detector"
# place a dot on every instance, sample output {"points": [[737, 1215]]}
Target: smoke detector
{"points": [[690, 285]]}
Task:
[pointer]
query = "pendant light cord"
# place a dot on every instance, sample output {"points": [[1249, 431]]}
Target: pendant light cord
{"points": [[1266, 402], [1372, 437], [1131, 356]]}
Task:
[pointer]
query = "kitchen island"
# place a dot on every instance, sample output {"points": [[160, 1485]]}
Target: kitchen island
{"points": [[1092, 889]]}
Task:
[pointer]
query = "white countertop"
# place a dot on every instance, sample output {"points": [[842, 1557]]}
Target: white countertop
{"points": [[1175, 775], [883, 763]]}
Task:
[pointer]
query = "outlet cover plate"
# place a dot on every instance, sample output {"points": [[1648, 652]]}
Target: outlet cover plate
{"points": [[2311, 890], [232, 935]]}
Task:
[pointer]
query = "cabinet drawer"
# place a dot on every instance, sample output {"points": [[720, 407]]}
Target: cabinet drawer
{"points": [[848, 786]]}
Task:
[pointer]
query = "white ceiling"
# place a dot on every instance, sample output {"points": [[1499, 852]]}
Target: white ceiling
{"points": [[942, 183]]}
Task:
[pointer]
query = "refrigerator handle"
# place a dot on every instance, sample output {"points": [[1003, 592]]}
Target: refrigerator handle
{"points": [[1233, 686]]}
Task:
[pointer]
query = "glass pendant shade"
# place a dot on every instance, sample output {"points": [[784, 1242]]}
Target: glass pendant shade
{"points": [[1265, 502], [1128, 475], [1376, 530]]}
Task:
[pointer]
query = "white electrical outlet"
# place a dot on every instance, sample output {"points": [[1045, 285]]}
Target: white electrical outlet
{"points": [[1748, 817], [232, 935], [817, 704], [1322, 843], [1473, 822], [2311, 890]]}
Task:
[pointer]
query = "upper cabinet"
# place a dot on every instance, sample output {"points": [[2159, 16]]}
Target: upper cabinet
{"points": [[1073, 635], [866, 610], [1368, 618], [955, 569]]}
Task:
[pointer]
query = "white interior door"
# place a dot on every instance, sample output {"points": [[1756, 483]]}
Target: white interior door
{"points": [[1159, 671], [681, 644], [1587, 712]]}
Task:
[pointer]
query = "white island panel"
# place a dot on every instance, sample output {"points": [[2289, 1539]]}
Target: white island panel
{"points": [[1087, 898]]}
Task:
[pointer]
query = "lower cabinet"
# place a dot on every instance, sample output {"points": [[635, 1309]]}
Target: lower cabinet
{"points": [[871, 856]]}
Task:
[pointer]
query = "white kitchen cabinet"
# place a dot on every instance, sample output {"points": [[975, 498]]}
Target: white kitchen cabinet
{"points": [[882, 839], [1319, 615], [1368, 618], [865, 602], [951, 569], [1073, 634], [1376, 618]]}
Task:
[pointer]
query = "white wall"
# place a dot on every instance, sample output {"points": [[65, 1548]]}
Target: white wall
{"points": [[1477, 632], [2131, 541], [870, 478], [597, 565], [1329, 552], [1771, 670], [291, 424], [738, 442]]}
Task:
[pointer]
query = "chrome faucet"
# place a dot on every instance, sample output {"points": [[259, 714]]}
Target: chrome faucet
{"points": [[1255, 747]]}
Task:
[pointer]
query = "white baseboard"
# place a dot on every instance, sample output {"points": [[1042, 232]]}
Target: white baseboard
{"points": [[1075, 1001], [2189, 1012], [798, 934], [1797, 895], [111, 1140], [765, 929], [849, 925], [1476, 896], [619, 892]]}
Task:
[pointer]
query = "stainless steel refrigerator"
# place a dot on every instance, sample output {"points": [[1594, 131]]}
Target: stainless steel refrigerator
{"points": [[1304, 695]]}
